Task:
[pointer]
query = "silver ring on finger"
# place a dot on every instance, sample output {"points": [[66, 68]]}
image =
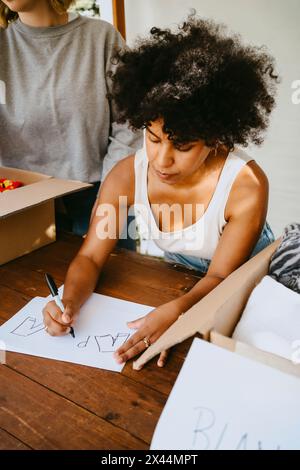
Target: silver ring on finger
{"points": [[147, 342]]}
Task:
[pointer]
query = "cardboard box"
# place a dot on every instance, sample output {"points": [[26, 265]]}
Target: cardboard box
{"points": [[215, 317], [27, 216]]}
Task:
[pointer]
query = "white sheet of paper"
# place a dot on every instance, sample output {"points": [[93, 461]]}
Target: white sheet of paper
{"points": [[224, 401], [100, 329]]}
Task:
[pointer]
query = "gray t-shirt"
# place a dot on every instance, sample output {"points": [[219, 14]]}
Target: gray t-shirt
{"points": [[54, 114]]}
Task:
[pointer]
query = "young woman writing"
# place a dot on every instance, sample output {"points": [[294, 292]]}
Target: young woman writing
{"points": [[199, 95]]}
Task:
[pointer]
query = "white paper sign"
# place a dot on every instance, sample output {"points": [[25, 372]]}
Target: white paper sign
{"points": [[99, 331], [224, 401]]}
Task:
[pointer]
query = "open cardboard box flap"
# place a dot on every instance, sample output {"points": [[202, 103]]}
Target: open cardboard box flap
{"points": [[27, 214], [272, 360], [38, 189], [27, 177], [215, 309]]}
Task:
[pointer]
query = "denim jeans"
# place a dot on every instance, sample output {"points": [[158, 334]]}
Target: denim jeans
{"points": [[202, 264]]}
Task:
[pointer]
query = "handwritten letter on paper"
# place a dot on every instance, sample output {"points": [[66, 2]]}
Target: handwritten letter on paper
{"points": [[99, 331], [224, 401]]}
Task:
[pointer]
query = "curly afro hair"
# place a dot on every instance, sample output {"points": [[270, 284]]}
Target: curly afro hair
{"points": [[203, 83]]}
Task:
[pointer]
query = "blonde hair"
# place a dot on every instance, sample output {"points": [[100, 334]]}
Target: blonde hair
{"points": [[7, 16]]}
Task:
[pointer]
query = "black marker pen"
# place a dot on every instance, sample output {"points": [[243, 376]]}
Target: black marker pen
{"points": [[54, 292]]}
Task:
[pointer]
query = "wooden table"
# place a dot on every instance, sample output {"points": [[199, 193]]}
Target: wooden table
{"points": [[46, 404]]}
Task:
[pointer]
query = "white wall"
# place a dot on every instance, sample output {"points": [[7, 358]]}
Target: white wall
{"points": [[106, 10], [275, 23]]}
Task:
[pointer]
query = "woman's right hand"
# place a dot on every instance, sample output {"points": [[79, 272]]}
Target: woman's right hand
{"points": [[59, 323]]}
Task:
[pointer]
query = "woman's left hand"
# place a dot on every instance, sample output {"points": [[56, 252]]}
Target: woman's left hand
{"points": [[149, 329]]}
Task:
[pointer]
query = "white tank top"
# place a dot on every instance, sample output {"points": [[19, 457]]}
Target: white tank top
{"points": [[201, 238]]}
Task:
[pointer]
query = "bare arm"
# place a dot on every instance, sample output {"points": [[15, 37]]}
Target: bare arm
{"points": [[245, 213], [101, 239]]}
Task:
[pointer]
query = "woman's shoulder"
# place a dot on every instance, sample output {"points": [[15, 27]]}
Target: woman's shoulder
{"points": [[120, 181], [250, 187], [251, 174], [101, 27], [126, 164], [123, 169], [103, 35]]}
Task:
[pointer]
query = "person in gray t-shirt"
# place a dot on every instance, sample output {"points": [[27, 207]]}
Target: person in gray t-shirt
{"points": [[55, 117]]}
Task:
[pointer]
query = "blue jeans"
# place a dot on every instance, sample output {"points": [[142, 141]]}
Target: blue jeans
{"points": [[202, 264]]}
